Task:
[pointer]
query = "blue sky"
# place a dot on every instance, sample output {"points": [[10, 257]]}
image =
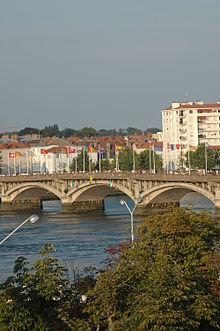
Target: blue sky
{"points": [[106, 64]]}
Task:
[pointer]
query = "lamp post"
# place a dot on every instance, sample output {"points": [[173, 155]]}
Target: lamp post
{"points": [[123, 202], [32, 219]]}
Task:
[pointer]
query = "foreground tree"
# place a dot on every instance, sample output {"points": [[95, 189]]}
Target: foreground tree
{"points": [[163, 282], [41, 297]]}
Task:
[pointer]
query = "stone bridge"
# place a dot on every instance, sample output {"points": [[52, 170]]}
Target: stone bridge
{"points": [[80, 192]]}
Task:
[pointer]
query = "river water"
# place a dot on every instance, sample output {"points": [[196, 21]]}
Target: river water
{"points": [[80, 240]]}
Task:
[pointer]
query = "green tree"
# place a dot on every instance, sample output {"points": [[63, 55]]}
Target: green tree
{"points": [[132, 131], [198, 158], [42, 298], [34, 298], [51, 131], [28, 130], [80, 163], [86, 132], [125, 159], [106, 165], [66, 133], [163, 281], [144, 160]]}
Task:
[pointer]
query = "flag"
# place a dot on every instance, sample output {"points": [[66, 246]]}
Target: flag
{"points": [[17, 154], [85, 148], [71, 149], [158, 148], [172, 147], [168, 145], [43, 151], [11, 155], [100, 147], [177, 146], [118, 147], [91, 149], [134, 147]]}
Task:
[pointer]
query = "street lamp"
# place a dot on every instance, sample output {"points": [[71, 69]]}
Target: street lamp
{"points": [[32, 219], [123, 202]]}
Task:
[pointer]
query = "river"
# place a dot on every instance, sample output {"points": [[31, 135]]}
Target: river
{"points": [[80, 240]]}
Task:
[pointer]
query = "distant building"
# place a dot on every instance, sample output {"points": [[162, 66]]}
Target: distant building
{"points": [[185, 126]]}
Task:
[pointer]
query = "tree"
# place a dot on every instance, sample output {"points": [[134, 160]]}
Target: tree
{"points": [[51, 131], [66, 133], [198, 158], [144, 160], [28, 130], [106, 165], [162, 282], [86, 132], [125, 159], [80, 163], [132, 131], [41, 297], [152, 130]]}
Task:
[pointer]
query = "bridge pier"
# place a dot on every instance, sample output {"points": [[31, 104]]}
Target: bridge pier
{"points": [[154, 208], [21, 205], [84, 206]]}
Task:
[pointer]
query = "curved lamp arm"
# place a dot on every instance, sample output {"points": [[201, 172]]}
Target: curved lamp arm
{"points": [[32, 219]]}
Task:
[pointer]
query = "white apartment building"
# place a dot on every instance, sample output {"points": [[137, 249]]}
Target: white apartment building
{"points": [[185, 125]]}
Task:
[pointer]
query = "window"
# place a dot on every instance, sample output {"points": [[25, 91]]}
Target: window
{"points": [[191, 111]]}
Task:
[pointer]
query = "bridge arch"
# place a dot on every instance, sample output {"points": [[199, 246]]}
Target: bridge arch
{"points": [[75, 193], [17, 190], [150, 194]]}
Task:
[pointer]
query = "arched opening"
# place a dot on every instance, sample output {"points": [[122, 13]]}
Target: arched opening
{"points": [[31, 198], [103, 197], [196, 199], [197, 202]]}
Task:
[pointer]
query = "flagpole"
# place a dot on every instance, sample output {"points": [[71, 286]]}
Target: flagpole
{"points": [[68, 159], [89, 163], [189, 165], [133, 159], [19, 165], [150, 159], [206, 160], [171, 158], [27, 160], [14, 164], [100, 161], [8, 164], [76, 161], [154, 161], [84, 165]]}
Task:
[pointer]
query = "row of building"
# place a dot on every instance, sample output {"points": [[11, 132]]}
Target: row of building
{"points": [[57, 155], [185, 125]]}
